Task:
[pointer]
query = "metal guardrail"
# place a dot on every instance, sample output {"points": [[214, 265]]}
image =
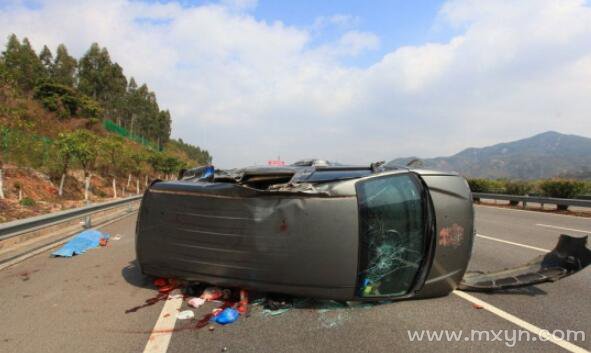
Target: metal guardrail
{"points": [[534, 199], [14, 228]]}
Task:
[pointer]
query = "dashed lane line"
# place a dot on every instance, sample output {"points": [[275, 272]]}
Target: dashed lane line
{"points": [[541, 333], [563, 228], [512, 243], [162, 333]]}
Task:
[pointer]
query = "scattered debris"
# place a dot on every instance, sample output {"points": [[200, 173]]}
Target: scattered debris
{"points": [[168, 287], [24, 276], [277, 302], [83, 241], [477, 306], [333, 319], [159, 282], [195, 302], [227, 316], [117, 237], [212, 293], [193, 289], [243, 304], [103, 241], [211, 328], [185, 315], [269, 312]]}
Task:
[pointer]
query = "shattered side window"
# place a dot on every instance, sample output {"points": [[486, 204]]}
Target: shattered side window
{"points": [[391, 235]]}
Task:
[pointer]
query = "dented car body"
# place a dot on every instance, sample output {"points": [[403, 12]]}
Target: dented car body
{"points": [[311, 229]]}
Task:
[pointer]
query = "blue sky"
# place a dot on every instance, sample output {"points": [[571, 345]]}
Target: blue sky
{"points": [[396, 22], [349, 81]]}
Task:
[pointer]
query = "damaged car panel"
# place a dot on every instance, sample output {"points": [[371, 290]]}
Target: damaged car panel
{"points": [[310, 229], [568, 257], [321, 229], [229, 235]]}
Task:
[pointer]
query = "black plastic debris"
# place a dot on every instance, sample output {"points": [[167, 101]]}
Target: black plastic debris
{"points": [[278, 302], [568, 257]]}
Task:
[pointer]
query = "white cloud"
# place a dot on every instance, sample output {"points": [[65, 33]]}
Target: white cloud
{"points": [[249, 90], [338, 20]]}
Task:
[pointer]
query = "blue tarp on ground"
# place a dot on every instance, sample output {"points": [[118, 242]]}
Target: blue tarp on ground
{"points": [[80, 243]]}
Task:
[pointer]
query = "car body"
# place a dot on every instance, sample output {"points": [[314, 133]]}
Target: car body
{"points": [[311, 229]]}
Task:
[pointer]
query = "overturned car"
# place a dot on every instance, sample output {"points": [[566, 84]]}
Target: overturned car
{"points": [[324, 230]]}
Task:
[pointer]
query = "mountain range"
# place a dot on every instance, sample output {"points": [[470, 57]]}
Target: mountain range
{"points": [[546, 155]]}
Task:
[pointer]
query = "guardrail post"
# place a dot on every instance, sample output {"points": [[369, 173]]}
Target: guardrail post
{"points": [[87, 222], [129, 209], [524, 204]]}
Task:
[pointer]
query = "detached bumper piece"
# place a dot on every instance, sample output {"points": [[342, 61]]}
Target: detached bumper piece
{"points": [[570, 256]]}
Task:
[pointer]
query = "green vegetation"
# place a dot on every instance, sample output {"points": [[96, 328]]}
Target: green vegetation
{"points": [[557, 188], [59, 114], [485, 185], [564, 188], [27, 202]]}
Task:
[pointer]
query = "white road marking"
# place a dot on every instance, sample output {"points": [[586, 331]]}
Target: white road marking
{"points": [[162, 332], [513, 243], [563, 228], [521, 323], [529, 211]]}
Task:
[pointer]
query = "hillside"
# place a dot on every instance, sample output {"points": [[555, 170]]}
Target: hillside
{"points": [[78, 129], [546, 155]]}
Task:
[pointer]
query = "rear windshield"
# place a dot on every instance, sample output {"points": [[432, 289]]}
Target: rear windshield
{"points": [[391, 234]]}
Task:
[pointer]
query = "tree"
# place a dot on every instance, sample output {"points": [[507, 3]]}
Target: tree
{"points": [[137, 159], [194, 153], [170, 166], [10, 57], [111, 151], [64, 67], [2, 176], [102, 80], [3, 72], [163, 127], [58, 98], [65, 145], [92, 71], [115, 92], [22, 63], [85, 151], [46, 59]]}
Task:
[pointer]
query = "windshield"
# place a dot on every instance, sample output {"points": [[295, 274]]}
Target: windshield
{"points": [[392, 234]]}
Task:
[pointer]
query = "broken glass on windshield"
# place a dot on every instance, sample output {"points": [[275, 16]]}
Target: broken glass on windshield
{"points": [[391, 238]]}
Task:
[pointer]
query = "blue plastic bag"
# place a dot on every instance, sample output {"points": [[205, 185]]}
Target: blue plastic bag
{"points": [[228, 316]]}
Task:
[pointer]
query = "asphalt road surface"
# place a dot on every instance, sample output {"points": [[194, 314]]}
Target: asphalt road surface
{"points": [[78, 305]]}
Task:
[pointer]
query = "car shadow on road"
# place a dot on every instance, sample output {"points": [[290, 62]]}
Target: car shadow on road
{"points": [[132, 274]]}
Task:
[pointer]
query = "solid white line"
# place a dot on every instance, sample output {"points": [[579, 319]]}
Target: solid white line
{"points": [[161, 334], [541, 333], [563, 228], [513, 243]]}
